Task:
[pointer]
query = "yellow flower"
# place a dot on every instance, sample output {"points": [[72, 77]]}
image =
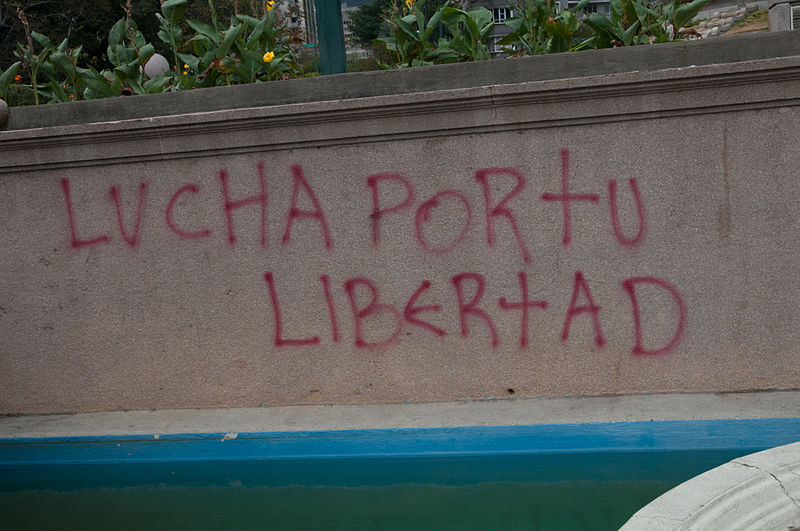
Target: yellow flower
{"points": [[185, 66], [409, 3], [270, 7], [268, 57]]}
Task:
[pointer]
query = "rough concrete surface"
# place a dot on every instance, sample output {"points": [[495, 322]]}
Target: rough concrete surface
{"points": [[605, 235]]}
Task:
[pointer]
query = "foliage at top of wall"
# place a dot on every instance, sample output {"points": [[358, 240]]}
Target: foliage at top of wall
{"points": [[259, 45]]}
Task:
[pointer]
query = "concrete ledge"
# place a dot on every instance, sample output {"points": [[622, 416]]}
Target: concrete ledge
{"points": [[745, 47], [525, 106], [758, 491], [782, 404]]}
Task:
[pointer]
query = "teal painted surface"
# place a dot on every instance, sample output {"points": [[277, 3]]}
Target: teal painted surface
{"points": [[562, 476], [330, 33], [564, 492], [745, 435]]}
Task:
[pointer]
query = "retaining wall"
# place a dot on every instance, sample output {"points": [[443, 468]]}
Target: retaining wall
{"points": [[622, 233]]}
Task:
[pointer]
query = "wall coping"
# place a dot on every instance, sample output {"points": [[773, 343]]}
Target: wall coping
{"points": [[745, 47], [516, 412], [615, 97]]}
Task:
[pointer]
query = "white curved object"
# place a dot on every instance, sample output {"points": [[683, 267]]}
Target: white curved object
{"points": [[755, 492], [156, 66]]}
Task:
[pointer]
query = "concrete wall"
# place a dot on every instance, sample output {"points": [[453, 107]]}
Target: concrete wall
{"points": [[609, 234]]}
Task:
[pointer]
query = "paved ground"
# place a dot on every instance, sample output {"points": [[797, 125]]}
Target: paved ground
{"points": [[779, 404]]}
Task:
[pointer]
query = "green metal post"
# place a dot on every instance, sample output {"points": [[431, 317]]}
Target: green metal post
{"points": [[330, 36]]}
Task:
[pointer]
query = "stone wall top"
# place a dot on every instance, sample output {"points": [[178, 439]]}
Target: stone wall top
{"points": [[745, 47]]}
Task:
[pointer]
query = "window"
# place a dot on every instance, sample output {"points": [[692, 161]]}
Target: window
{"points": [[796, 17], [588, 8], [502, 13]]}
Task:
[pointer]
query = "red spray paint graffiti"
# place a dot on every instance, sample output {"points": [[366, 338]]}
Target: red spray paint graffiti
{"points": [[392, 198]]}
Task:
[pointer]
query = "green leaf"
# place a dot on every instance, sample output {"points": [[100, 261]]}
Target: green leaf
{"points": [[515, 23], [420, 16], [155, 85], [41, 39], [686, 12], [205, 30], [406, 26], [255, 38], [91, 94], [115, 34], [128, 71], [7, 77], [391, 43], [584, 45], [192, 61], [604, 29], [231, 34], [249, 21], [579, 7], [63, 63], [124, 54], [141, 42], [164, 36], [512, 39], [481, 15], [432, 24], [486, 32], [145, 53], [96, 84], [173, 10], [48, 69], [628, 34], [642, 12]]}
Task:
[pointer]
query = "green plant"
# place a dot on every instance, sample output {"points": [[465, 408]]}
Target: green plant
{"points": [[249, 50], [635, 22], [470, 31], [413, 42], [6, 78], [128, 52], [169, 26], [18, 95], [411, 39], [31, 61], [61, 69], [539, 28], [680, 15]]}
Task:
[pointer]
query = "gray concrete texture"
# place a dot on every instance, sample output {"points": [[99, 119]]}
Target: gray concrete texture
{"points": [[780, 15], [385, 257]]}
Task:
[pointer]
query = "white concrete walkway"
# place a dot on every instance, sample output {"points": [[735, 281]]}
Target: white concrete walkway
{"points": [[777, 404]]}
